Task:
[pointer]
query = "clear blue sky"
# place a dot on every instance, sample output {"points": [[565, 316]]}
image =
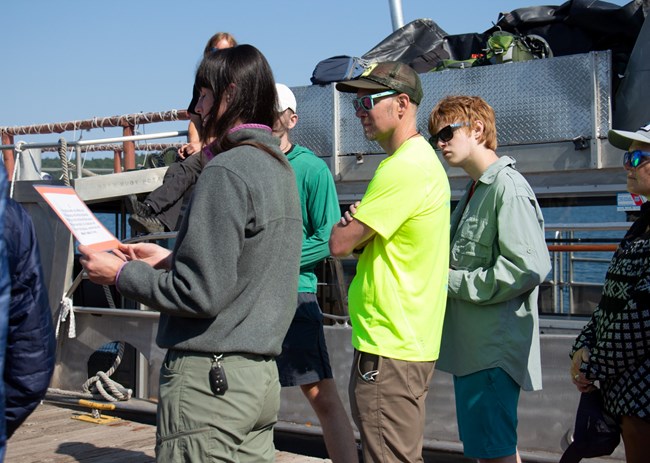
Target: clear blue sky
{"points": [[76, 59]]}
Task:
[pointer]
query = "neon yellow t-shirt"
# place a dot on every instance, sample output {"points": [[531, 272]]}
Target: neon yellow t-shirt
{"points": [[397, 298]]}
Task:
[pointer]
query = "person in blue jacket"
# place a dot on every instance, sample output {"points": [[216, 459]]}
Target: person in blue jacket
{"points": [[5, 288], [30, 343]]}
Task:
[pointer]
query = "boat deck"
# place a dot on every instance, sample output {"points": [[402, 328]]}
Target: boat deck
{"points": [[51, 435]]}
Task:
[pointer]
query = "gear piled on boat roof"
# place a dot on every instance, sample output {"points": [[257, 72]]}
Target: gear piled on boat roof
{"points": [[574, 27]]}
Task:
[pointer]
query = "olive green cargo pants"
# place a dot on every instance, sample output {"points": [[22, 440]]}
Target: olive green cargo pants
{"points": [[195, 425]]}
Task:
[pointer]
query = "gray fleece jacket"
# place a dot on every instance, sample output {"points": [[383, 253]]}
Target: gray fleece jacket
{"points": [[233, 282]]}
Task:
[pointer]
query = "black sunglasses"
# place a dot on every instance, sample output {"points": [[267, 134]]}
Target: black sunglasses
{"points": [[446, 133]]}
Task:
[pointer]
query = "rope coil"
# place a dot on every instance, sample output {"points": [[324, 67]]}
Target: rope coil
{"points": [[104, 386]]}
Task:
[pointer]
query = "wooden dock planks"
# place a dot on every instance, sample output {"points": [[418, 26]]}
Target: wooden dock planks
{"points": [[50, 435]]}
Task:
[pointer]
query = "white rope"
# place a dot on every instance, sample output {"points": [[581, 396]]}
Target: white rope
{"points": [[18, 150], [64, 392], [63, 156], [146, 142], [82, 153], [101, 383], [65, 310]]}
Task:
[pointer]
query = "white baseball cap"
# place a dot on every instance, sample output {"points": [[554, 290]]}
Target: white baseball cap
{"points": [[286, 98], [622, 139]]}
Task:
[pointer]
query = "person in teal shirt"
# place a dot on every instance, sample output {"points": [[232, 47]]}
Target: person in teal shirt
{"points": [[304, 360], [498, 258]]}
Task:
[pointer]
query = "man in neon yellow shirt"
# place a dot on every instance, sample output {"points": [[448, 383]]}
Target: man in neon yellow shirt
{"points": [[397, 298]]}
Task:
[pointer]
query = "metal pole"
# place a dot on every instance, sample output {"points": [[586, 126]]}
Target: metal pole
{"points": [[142, 376], [179, 133], [77, 150], [102, 141], [335, 166], [556, 279], [396, 13], [570, 279]]}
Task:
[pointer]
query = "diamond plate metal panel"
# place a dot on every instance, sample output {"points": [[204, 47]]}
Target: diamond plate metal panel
{"points": [[604, 92], [539, 101], [315, 128]]}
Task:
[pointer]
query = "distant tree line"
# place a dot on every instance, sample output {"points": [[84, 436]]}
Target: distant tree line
{"points": [[98, 163], [102, 165]]}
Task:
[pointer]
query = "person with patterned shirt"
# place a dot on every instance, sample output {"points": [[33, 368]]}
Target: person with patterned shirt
{"points": [[614, 347]]}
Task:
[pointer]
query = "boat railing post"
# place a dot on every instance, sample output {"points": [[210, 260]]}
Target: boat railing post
{"points": [[117, 161], [570, 279], [8, 154], [129, 148], [557, 306], [561, 257], [142, 376]]}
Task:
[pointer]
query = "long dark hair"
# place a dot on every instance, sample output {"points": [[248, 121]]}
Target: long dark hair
{"points": [[252, 101]]}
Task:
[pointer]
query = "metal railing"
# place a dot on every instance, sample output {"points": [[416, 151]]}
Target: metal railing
{"points": [[128, 123], [566, 290], [569, 293], [104, 142]]}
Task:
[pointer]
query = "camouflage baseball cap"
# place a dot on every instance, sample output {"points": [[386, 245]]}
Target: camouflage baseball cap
{"points": [[387, 75]]}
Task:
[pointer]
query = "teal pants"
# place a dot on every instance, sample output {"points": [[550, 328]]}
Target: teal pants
{"points": [[195, 425]]}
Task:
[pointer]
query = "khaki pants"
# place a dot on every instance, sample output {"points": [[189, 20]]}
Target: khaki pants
{"points": [[194, 425], [387, 400]]}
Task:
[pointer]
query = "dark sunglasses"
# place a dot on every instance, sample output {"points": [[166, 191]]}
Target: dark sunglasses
{"points": [[367, 102], [446, 133], [635, 158]]}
